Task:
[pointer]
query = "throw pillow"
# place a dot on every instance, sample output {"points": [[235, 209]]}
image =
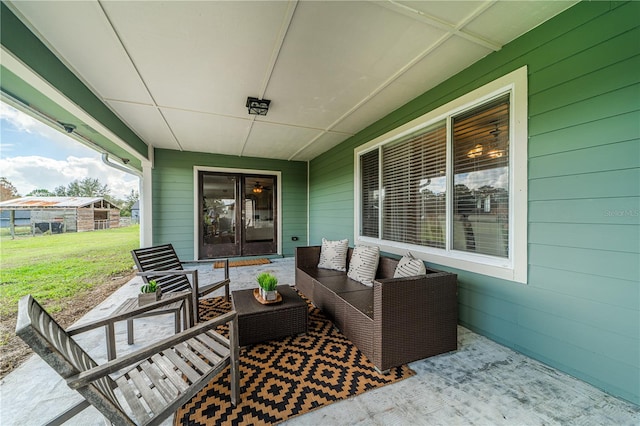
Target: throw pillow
{"points": [[364, 264], [333, 255], [409, 266]]}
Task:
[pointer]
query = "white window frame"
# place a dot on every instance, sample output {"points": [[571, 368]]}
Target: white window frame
{"points": [[515, 266]]}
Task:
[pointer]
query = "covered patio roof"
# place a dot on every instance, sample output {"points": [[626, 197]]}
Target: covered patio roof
{"points": [[126, 76]]}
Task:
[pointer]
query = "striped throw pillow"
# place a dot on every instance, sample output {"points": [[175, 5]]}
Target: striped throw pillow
{"points": [[409, 266], [333, 255], [364, 264]]}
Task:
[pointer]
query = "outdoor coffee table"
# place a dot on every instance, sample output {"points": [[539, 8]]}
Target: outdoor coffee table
{"points": [[258, 323]]}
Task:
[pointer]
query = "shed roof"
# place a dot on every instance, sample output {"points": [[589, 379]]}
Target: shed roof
{"points": [[33, 203]]}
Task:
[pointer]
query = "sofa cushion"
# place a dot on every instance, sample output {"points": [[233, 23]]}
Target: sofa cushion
{"points": [[319, 273], [409, 266], [361, 300], [333, 255], [339, 284], [364, 264]]}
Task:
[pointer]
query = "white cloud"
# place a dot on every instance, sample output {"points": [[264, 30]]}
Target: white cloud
{"points": [[22, 122], [27, 173], [35, 155], [25, 123], [497, 178]]}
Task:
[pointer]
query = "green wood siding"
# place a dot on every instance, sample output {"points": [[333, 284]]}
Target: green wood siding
{"points": [[173, 196], [580, 311]]}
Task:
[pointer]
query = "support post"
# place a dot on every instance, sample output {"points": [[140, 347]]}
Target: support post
{"points": [[12, 223]]}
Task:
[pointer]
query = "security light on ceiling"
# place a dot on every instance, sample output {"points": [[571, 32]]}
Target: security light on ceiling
{"points": [[69, 128], [258, 106]]}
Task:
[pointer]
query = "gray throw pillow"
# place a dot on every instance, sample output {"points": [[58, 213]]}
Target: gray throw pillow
{"points": [[333, 255], [364, 264], [409, 266]]}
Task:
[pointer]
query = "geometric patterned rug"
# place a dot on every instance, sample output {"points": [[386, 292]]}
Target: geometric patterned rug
{"points": [[288, 377]]}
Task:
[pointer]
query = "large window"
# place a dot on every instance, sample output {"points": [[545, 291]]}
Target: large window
{"points": [[451, 185]]}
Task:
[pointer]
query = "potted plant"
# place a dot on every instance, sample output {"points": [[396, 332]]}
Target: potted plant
{"points": [[149, 293], [268, 283]]}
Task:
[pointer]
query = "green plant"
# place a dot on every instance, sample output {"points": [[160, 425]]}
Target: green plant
{"points": [[150, 287], [267, 281]]}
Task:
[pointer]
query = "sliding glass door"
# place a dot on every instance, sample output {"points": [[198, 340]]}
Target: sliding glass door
{"points": [[238, 214]]}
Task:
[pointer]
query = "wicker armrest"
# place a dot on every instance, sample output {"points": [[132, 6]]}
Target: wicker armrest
{"points": [[416, 317], [395, 295]]}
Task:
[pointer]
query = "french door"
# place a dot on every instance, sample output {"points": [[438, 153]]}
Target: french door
{"points": [[238, 214]]}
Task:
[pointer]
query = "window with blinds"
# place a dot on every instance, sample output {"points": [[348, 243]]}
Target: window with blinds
{"points": [[451, 185], [414, 187], [406, 182], [481, 179], [370, 193]]}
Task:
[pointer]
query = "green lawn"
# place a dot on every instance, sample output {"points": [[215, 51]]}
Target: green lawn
{"points": [[54, 267]]}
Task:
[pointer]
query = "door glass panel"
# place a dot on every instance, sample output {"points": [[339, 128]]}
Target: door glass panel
{"points": [[258, 209], [219, 213]]}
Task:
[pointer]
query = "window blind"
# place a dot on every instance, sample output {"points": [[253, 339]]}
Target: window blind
{"points": [[369, 166], [414, 187], [481, 179]]}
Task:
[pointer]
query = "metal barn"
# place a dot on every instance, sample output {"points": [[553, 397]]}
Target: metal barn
{"points": [[66, 214]]}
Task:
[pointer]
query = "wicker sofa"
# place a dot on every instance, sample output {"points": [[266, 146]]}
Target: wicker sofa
{"points": [[396, 321]]}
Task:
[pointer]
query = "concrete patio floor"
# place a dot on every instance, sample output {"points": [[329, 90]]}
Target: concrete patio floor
{"points": [[482, 383]]}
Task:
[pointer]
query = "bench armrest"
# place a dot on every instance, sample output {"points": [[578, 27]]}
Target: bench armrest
{"points": [[109, 367]]}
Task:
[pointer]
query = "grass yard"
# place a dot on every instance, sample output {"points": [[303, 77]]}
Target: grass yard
{"points": [[54, 268]]}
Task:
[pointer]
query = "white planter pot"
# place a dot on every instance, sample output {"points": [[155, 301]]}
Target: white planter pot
{"points": [[269, 295]]}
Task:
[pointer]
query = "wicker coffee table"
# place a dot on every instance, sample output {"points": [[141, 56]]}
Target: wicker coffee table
{"points": [[258, 323]]}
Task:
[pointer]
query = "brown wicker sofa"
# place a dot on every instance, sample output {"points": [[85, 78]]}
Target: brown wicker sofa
{"points": [[396, 321]]}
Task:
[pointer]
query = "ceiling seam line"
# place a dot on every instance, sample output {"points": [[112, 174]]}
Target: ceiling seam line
{"points": [[144, 83], [476, 39], [274, 123], [443, 25], [381, 87], [284, 28], [308, 144], [246, 138], [450, 31]]}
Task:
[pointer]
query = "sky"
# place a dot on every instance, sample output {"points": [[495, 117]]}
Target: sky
{"points": [[34, 155]]}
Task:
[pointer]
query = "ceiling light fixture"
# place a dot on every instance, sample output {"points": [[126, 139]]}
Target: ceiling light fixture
{"points": [[475, 151], [257, 188], [258, 106]]}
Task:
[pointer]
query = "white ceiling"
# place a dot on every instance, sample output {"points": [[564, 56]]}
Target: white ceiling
{"points": [[178, 73]]}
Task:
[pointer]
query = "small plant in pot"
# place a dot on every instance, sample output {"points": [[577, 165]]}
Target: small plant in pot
{"points": [[268, 283], [149, 293]]}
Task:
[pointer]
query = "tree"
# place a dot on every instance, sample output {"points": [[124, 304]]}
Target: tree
{"points": [[60, 191], [128, 203], [7, 190], [87, 187], [41, 192]]}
